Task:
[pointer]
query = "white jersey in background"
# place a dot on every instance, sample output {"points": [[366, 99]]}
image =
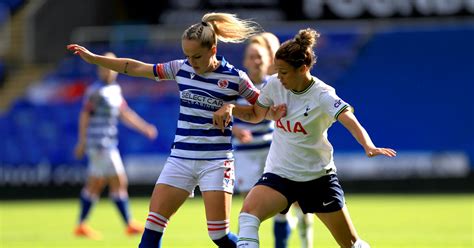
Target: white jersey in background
{"points": [[300, 150], [200, 96], [103, 102]]}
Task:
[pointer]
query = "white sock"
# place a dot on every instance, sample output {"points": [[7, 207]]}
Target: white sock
{"points": [[360, 244], [248, 231], [305, 228]]}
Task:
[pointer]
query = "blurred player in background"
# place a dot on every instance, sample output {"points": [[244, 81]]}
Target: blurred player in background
{"points": [[252, 141], [103, 106], [201, 154], [300, 166]]}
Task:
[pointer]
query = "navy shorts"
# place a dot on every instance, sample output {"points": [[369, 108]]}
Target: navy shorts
{"points": [[322, 195]]}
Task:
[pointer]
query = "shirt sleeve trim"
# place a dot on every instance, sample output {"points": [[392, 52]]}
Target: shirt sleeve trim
{"points": [[261, 104], [340, 111]]}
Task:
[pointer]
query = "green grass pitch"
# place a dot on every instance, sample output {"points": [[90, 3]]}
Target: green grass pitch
{"points": [[385, 221]]}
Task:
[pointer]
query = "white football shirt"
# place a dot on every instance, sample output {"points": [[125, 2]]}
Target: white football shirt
{"points": [[300, 150]]}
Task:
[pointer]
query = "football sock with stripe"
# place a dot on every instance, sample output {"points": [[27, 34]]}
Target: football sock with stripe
{"points": [[220, 235], [248, 231], [154, 227]]}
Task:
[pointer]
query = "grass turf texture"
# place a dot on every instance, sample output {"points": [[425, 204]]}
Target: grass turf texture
{"points": [[385, 221]]}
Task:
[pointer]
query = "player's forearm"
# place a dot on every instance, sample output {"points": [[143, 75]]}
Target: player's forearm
{"points": [[247, 113], [361, 135], [83, 123], [132, 120], [356, 129], [126, 66]]}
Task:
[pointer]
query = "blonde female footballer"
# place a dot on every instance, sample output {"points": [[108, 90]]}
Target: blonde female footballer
{"points": [[201, 154]]}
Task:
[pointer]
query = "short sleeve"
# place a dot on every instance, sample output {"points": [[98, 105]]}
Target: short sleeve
{"points": [[90, 99], [332, 104], [265, 100], [168, 70]]}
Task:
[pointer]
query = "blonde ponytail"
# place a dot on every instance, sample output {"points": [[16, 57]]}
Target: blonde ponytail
{"points": [[221, 26]]}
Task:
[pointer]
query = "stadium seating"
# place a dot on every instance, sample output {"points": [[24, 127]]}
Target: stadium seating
{"points": [[409, 87]]}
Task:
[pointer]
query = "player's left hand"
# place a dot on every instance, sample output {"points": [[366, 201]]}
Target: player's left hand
{"points": [[372, 152]]}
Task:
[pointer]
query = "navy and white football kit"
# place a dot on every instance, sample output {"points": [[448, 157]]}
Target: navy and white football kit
{"points": [[201, 153], [103, 102]]}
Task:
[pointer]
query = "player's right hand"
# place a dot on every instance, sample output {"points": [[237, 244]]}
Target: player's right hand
{"points": [[223, 116], [244, 135], [278, 111], [151, 132], [85, 54]]}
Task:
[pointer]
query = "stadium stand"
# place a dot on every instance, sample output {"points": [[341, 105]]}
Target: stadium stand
{"points": [[425, 107]]}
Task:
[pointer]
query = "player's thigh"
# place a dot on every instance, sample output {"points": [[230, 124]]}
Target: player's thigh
{"points": [[340, 225], [118, 182], [218, 205], [95, 184], [179, 173], [264, 202], [166, 199], [105, 162], [216, 175]]}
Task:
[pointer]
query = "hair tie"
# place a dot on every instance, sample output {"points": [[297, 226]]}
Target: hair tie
{"points": [[204, 23]]}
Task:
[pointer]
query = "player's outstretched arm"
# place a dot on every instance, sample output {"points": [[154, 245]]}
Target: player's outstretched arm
{"points": [[126, 66], [133, 120], [348, 119]]}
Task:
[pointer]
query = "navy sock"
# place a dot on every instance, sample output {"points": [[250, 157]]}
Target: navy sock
{"points": [[86, 205], [122, 205], [150, 239], [228, 241], [281, 231]]}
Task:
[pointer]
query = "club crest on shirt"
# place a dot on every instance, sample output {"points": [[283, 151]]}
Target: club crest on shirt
{"points": [[223, 83], [306, 110]]}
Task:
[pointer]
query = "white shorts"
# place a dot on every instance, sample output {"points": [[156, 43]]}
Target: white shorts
{"points": [[105, 162], [249, 166], [208, 174]]}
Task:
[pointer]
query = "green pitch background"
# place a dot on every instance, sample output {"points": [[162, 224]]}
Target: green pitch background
{"points": [[386, 221]]}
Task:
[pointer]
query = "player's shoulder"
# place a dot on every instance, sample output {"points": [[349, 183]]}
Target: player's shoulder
{"points": [[320, 87], [273, 83], [178, 62], [93, 87]]}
